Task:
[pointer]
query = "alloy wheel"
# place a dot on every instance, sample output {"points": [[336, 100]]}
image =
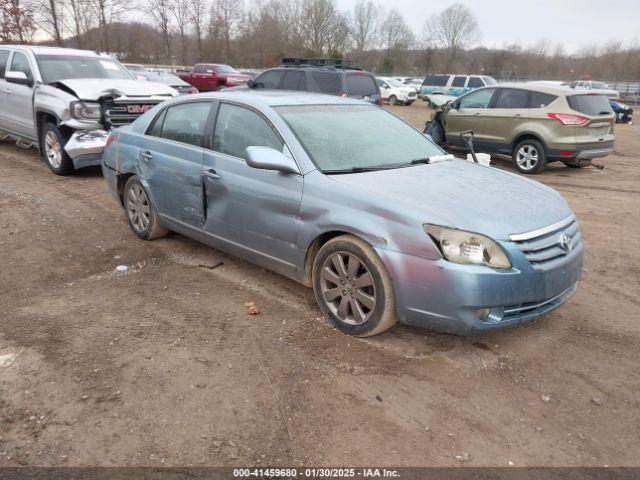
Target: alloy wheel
{"points": [[348, 288], [138, 208], [53, 149], [527, 157]]}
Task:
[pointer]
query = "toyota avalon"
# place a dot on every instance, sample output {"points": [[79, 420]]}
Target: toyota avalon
{"points": [[348, 199]]}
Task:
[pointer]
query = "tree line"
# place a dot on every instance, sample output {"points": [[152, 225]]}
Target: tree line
{"points": [[260, 33]]}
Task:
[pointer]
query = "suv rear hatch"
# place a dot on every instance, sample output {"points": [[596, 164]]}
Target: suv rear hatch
{"points": [[595, 119]]}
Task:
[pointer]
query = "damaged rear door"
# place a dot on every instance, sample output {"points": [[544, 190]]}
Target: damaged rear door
{"points": [[171, 162]]}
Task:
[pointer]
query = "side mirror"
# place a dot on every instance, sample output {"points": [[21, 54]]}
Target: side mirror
{"points": [[250, 83], [267, 158], [18, 77]]}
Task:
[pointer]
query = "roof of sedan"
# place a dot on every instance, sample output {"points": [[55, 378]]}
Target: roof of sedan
{"points": [[279, 98]]}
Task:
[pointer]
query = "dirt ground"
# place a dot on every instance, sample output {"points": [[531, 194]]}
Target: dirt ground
{"points": [[160, 365]]}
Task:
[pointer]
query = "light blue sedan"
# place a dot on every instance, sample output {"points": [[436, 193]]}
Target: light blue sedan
{"points": [[346, 198]]}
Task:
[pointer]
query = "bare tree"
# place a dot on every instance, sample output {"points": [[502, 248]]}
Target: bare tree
{"points": [[181, 12], [319, 18], [107, 13], [396, 35], [160, 12], [454, 29], [16, 22], [198, 18], [49, 18], [81, 19], [225, 15], [364, 25]]}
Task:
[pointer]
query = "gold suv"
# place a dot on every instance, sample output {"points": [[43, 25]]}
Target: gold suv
{"points": [[533, 124]]}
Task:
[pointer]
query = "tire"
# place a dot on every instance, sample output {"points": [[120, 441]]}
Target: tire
{"points": [[143, 222], [359, 310], [53, 153], [577, 163], [436, 131], [529, 156], [393, 100]]}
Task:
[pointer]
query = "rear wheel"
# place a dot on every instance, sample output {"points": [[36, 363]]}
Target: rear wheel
{"points": [[577, 163], [141, 213], [352, 287], [53, 151], [529, 156]]}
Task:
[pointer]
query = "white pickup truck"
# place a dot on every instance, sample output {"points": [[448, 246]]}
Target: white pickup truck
{"points": [[65, 102]]}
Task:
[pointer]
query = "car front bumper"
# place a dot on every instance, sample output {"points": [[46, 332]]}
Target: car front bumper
{"points": [[85, 147], [444, 296]]}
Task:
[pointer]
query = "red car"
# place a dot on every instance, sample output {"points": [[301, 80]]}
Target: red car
{"points": [[213, 76]]}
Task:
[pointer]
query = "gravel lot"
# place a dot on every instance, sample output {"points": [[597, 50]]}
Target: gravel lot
{"points": [[161, 365]]}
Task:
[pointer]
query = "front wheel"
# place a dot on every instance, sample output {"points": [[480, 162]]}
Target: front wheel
{"points": [[393, 100], [352, 287], [529, 156], [141, 213], [53, 151]]}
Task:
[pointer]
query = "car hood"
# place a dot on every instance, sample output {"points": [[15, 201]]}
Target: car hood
{"points": [[94, 89], [465, 196]]}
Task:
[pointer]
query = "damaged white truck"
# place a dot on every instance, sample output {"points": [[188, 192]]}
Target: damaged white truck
{"points": [[65, 101]]}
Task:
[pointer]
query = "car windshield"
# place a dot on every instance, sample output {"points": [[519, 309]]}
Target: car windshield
{"points": [[347, 137], [54, 68], [395, 83], [225, 69], [599, 85], [490, 81], [136, 68]]}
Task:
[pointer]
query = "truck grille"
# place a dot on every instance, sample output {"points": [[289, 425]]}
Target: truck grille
{"points": [[548, 247], [115, 114]]}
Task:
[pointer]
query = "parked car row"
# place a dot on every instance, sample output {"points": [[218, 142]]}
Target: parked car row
{"points": [[333, 192]]}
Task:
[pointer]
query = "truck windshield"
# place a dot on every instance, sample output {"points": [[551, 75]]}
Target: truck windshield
{"points": [[342, 138], [225, 69], [54, 68]]}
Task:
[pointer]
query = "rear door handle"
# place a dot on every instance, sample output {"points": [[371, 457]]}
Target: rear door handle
{"points": [[211, 173], [146, 156]]}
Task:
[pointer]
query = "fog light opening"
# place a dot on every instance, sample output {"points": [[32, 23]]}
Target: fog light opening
{"points": [[483, 313]]}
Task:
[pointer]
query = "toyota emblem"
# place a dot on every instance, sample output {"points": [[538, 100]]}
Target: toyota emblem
{"points": [[565, 243]]}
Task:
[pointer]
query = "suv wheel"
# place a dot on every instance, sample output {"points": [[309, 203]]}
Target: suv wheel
{"points": [[352, 287], [393, 100], [529, 156], [141, 213], [53, 152]]}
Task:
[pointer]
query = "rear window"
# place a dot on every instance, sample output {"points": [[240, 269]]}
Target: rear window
{"points": [[361, 85], [4, 56], [539, 100], [592, 105], [327, 82], [436, 80], [475, 82], [459, 81]]}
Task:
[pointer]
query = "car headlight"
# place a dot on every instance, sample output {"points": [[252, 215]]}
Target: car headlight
{"points": [[458, 246], [86, 110]]}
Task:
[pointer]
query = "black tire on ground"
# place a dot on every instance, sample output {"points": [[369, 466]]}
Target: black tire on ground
{"points": [[537, 157], [393, 100], [140, 211], [52, 141], [436, 131], [353, 286], [577, 163]]}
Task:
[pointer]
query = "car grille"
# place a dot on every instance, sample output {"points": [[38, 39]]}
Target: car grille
{"points": [[115, 114], [548, 247]]}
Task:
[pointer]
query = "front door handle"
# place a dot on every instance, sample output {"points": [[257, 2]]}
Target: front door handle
{"points": [[211, 173], [146, 156]]}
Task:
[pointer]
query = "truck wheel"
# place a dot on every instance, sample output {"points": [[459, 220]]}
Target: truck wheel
{"points": [[353, 288], [141, 213], [529, 156], [53, 151]]}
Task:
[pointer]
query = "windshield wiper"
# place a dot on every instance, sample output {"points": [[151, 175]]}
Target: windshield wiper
{"points": [[364, 169], [421, 160]]}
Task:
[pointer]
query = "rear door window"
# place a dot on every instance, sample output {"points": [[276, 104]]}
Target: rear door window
{"points": [[4, 57], [479, 99], [459, 81], [475, 82], [540, 100], [185, 123], [270, 79], [294, 80], [361, 85], [512, 98], [327, 82], [436, 80], [592, 105]]}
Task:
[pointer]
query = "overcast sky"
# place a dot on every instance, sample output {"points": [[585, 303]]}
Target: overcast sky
{"points": [[574, 23]]}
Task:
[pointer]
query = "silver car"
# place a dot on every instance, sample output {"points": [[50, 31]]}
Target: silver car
{"points": [[346, 198]]}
